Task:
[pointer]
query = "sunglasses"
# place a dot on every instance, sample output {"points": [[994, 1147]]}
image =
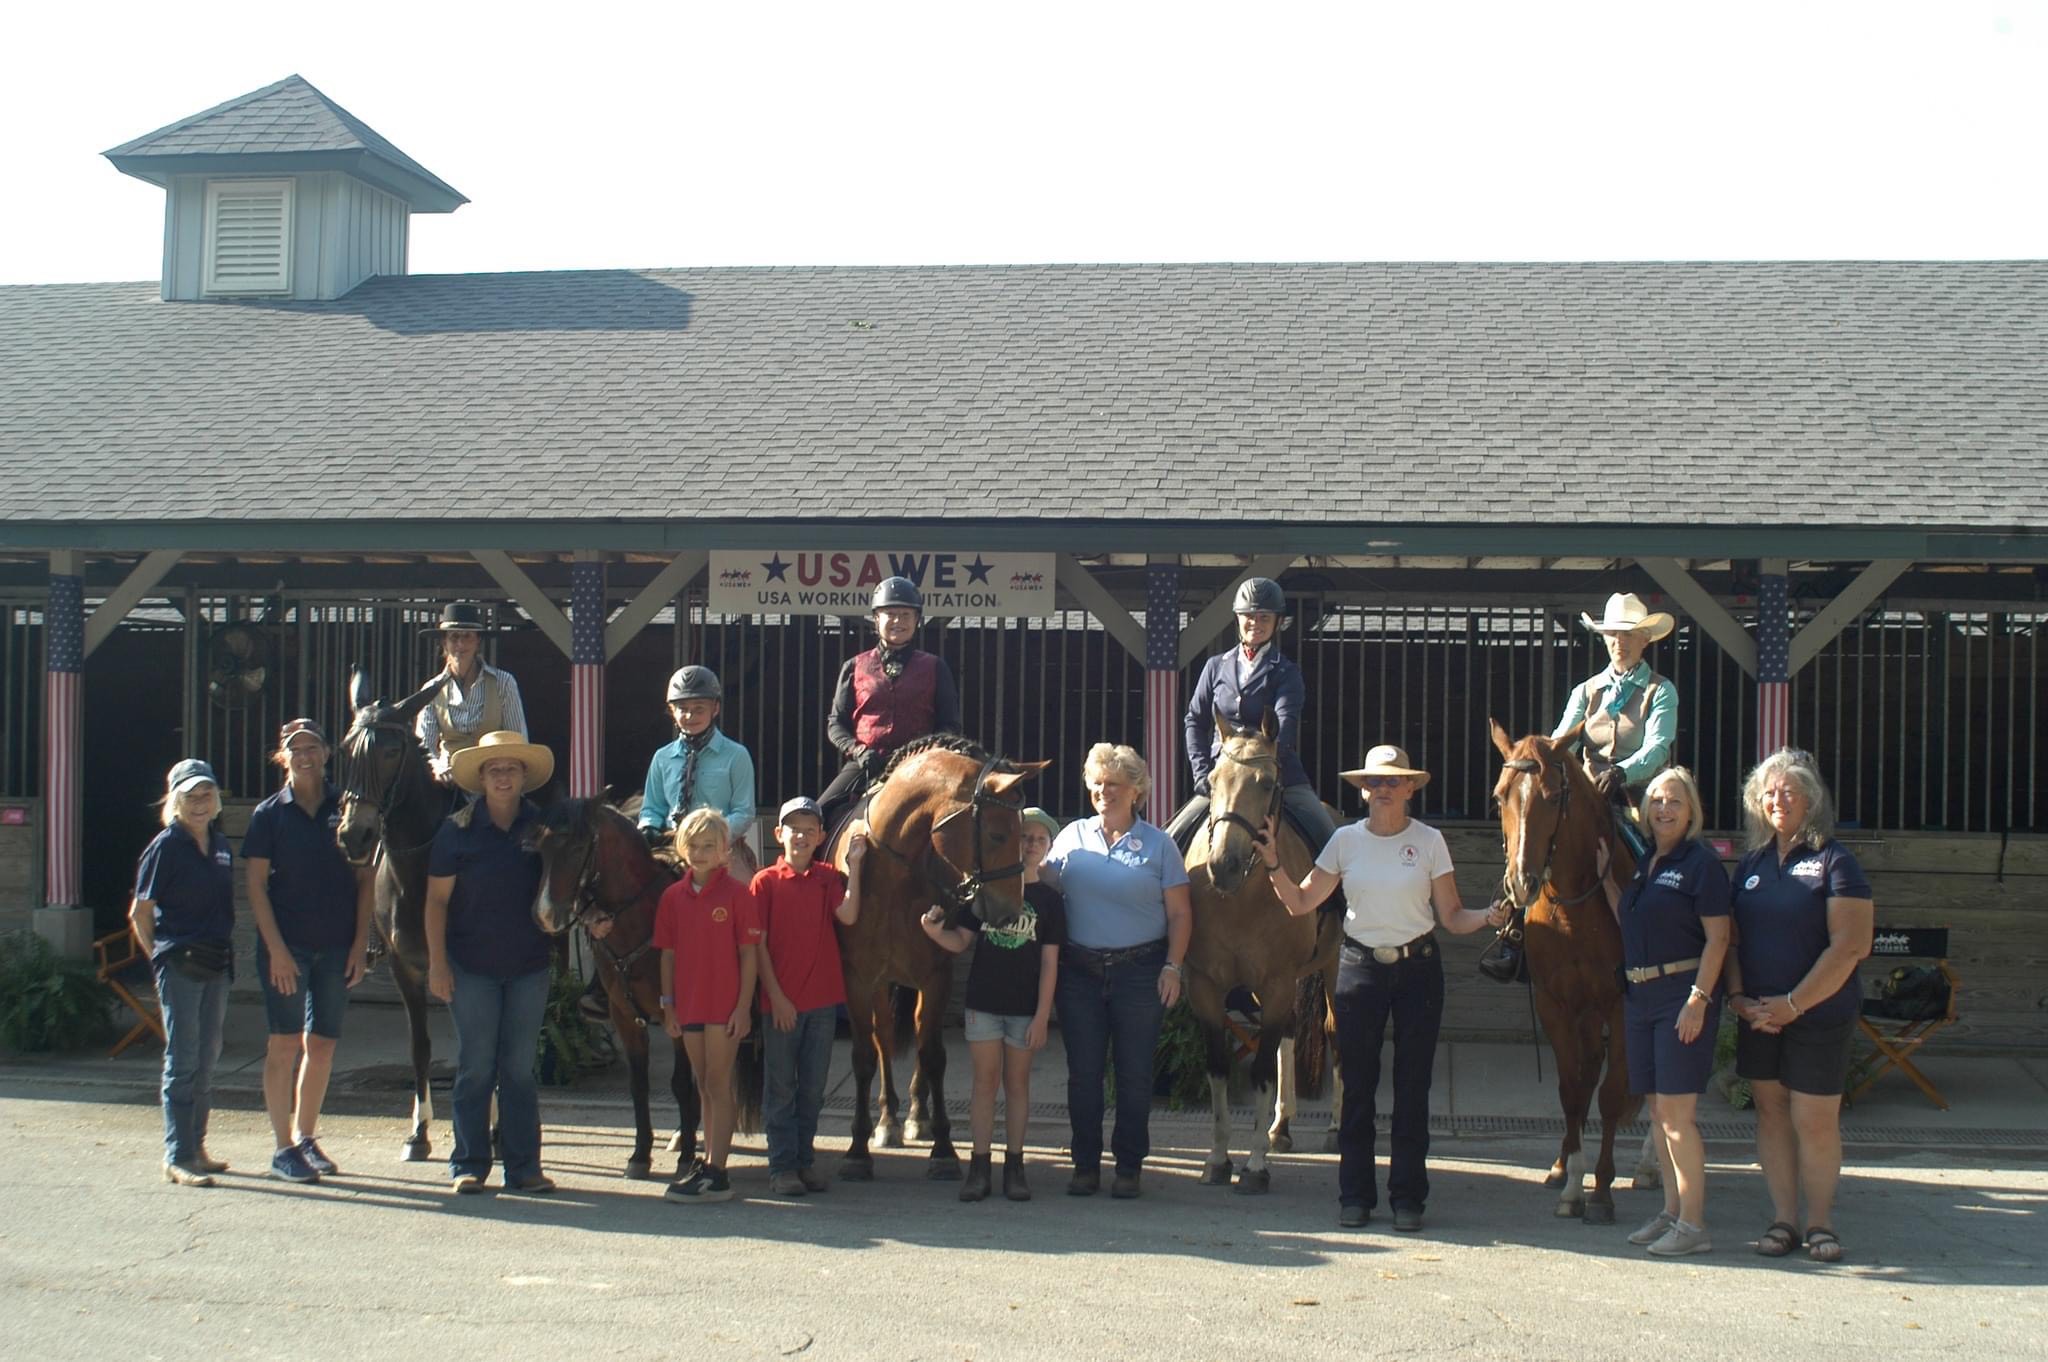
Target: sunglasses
{"points": [[1383, 782]]}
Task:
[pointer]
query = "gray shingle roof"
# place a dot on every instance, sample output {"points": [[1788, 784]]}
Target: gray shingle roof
{"points": [[1799, 394], [289, 119]]}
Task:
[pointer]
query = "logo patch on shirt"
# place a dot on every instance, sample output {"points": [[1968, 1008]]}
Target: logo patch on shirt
{"points": [[1811, 869], [1409, 855], [222, 857], [1671, 879], [1130, 856], [1752, 882], [718, 914]]}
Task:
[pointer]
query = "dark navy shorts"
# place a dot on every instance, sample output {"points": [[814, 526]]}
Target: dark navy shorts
{"points": [[1807, 1057], [322, 997], [1657, 1061]]}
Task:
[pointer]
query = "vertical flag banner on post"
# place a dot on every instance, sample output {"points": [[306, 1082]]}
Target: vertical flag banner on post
{"points": [[64, 648], [1773, 663], [1162, 689], [586, 680]]}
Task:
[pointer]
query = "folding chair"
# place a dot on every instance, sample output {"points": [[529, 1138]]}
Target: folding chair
{"points": [[125, 969], [1896, 1041]]}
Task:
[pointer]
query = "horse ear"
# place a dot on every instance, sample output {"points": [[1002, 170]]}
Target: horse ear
{"points": [[1002, 782], [358, 687], [1570, 735], [411, 705], [1225, 728], [1269, 725], [1500, 738]]}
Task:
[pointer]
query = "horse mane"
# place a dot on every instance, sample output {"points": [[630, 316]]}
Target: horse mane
{"points": [[949, 742]]}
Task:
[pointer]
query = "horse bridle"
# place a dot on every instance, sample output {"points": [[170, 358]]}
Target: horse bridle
{"points": [[959, 897], [355, 763], [592, 909], [1232, 816], [1563, 801]]}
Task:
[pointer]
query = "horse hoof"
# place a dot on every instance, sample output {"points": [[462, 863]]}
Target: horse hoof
{"points": [[856, 1170], [1282, 1143], [890, 1137], [415, 1151], [638, 1169], [1217, 1174], [1646, 1179], [1599, 1213], [943, 1169], [1255, 1184], [1570, 1210], [675, 1143], [914, 1132]]}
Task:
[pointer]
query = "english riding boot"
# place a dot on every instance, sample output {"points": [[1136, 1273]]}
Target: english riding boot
{"points": [[976, 1188], [1014, 1185]]}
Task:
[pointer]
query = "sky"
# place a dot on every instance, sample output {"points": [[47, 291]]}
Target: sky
{"points": [[598, 135]]}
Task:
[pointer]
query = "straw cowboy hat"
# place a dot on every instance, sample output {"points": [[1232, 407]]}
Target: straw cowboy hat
{"points": [[1626, 614], [467, 766], [1386, 760]]}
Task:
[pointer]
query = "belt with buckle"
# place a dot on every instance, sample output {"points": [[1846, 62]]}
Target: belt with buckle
{"points": [[1423, 945], [1122, 955], [1647, 973]]}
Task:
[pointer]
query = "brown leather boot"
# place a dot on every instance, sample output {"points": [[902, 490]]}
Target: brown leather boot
{"points": [[978, 1181], [1014, 1185]]}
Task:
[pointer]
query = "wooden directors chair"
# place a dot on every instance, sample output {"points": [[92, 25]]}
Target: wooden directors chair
{"points": [[125, 969], [1896, 1041]]}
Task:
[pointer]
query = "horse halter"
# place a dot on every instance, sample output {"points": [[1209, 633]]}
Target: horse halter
{"points": [[959, 898], [1232, 816], [358, 768], [1563, 801]]}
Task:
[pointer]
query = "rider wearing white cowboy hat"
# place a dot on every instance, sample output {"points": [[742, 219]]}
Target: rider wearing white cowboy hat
{"points": [[1244, 685], [890, 695], [477, 699], [1630, 712]]}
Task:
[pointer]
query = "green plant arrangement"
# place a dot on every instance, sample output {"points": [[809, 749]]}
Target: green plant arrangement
{"points": [[570, 1044], [1735, 1090], [46, 1001]]}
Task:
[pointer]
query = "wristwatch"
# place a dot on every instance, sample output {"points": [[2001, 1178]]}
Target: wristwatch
{"points": [[668, 1000], [1179, 970]]}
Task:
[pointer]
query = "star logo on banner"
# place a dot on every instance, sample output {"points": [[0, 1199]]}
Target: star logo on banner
{"points": [[776, 568], [977, 571]]}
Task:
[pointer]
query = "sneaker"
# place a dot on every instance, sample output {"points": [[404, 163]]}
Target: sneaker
{"points": [[1408, 1219], [786, 1183], [310, 1151], [468, 1184], [1652, 1229], [1682, 1239], [207, 1163], [540, 1184], [288, 1163], [813, 1180], [706, 1184], [186, 1175], [1353, 1217]]}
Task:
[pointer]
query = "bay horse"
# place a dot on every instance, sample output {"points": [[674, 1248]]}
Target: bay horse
{"points": [[1553, 822], [391, 806], [945, 829], [597, 872], [1244, 937]]}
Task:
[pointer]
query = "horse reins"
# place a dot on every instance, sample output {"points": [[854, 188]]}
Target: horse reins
{"points": [[1232, 816], [591, 907], [960, 897], [1563, 801]]}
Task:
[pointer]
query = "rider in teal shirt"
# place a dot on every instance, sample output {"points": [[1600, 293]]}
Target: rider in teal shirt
{"points": [[702, 768]]}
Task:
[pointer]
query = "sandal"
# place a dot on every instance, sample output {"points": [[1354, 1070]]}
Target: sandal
{"points": [[1822, 1246], [1777, 1241]]}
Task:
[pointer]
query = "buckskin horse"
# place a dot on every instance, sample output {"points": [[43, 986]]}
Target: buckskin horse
{"points": [[945, 829], [391, 806], [597, 872], [1554, 821], [1245, 938]]}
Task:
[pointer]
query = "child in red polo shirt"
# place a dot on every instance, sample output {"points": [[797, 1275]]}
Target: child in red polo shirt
{"points": [[802, 986], [708, 922]]}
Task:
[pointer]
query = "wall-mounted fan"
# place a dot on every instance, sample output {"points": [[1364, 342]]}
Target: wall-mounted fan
{"points": [[239, 659]]}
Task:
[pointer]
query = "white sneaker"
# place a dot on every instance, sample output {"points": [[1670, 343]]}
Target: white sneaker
{"points": [[1652, 1229], [1682, 1239]]}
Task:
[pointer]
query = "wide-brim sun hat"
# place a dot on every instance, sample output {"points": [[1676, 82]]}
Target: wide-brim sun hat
{"points": [[467, 766], [1386, 760], [1626, 614]]}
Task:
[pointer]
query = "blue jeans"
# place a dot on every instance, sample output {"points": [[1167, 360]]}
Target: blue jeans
{"points": [[1410, 993], [497, 1027], [194, 1014], [797, 1062], [1104, 1010]]}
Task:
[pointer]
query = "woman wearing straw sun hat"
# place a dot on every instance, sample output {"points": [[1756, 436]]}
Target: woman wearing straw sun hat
{"points": [[488, 960], [1398, 888]]}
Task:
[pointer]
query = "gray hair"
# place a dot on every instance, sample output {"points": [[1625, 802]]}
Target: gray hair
{"points": [[1820, 806], [1117, 759], [1695, 809]]}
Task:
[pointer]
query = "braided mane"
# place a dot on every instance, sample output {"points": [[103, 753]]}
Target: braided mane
{"points": [[949, 742]]}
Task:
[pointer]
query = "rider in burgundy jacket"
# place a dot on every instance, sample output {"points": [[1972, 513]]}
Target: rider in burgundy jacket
{"points": [[887, 696]]}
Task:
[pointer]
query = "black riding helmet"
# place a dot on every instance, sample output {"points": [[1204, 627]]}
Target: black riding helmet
{"points": [[1256, 595], [694, 683], [896, 591]]}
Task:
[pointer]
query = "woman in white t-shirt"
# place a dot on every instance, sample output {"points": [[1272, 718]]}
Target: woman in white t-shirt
{"points": [[1398, 888]]}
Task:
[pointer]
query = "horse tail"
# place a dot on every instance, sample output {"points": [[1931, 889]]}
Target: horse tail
{"points": [[1311, 1040], [750, 1081]]}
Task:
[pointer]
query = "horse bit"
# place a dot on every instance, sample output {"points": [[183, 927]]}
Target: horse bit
{"points": [[1563, 800]]}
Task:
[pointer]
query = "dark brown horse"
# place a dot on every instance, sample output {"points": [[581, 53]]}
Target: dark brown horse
{"points": [[391, 806], [1554, 822], [1245, 938], [945, 829], [597, 872]]}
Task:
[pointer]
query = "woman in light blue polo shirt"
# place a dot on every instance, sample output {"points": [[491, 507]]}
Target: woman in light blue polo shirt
{"points": [[1129, 918]]}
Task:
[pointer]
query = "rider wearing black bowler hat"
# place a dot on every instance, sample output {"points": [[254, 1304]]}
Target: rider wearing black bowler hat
{"points": [[888, 696]]}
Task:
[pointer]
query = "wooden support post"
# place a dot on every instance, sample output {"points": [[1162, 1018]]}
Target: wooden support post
{"points": [[1773, 656], [546, 615], [63, 687], [1704, 610], [1162, 687], [641, 610], [586, 676], [1216, 613], [1837, 614], [1096, 600], [125, 597]]}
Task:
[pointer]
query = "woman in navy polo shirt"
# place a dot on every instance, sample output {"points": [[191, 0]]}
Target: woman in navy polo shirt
{"points": [[1129, 918], [488, 960], [1674, 940], [1803, 915], [184, 916]]}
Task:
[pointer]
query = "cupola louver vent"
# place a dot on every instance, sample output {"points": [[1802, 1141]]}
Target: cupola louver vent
{"points": [[248, 236]]}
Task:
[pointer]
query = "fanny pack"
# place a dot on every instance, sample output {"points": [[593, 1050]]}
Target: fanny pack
{"points": [[201, 961]]}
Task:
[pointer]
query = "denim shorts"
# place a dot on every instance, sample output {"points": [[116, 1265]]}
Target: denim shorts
{"points": [[322, 996], [993, 1026]]}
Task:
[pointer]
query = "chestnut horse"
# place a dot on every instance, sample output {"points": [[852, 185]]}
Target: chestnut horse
{"points": [[1244, 937], [944, 828], [1554, 821], [391, 806], [597, 872]]}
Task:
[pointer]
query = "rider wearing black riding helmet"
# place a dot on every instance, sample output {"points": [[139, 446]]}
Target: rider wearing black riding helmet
{"points": [[1244, 685], [887, 696], [702, 768]]}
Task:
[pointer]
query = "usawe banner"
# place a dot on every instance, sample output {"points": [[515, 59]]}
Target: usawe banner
{"points": [[825, 582]]}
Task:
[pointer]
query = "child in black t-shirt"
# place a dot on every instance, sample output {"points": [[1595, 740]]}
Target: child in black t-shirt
{"points": [[1009, 1008]]}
